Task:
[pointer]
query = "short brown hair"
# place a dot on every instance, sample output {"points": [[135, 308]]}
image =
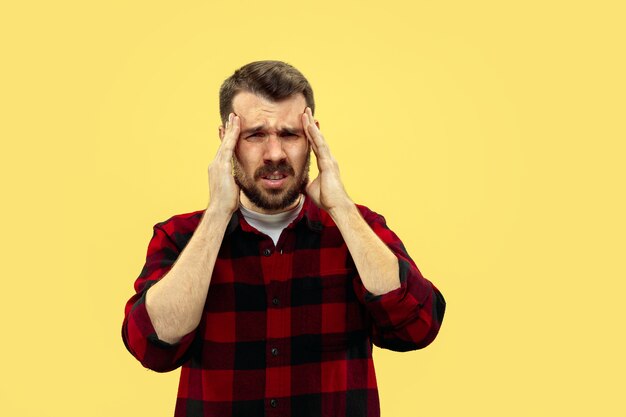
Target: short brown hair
{"points": [[273, 80]]}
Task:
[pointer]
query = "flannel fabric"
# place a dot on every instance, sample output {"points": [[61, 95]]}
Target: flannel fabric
{"points": [[287, 330]]}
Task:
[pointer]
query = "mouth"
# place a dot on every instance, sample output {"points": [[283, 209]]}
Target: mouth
{"points": [[274, 179], [274, 176]]}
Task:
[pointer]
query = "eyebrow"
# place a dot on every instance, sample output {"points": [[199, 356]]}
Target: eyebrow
{"points": [[252, 130], [298, 132], [282, 131]]}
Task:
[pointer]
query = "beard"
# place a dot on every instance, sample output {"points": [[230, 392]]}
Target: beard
{"points": [[272, 199]]}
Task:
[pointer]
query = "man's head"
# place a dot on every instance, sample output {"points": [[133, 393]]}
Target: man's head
{"points": [[273, 80], [272, 155]]}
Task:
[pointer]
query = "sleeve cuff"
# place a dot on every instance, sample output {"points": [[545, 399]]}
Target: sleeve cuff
{"points": [[146, 329], [394, 309]]}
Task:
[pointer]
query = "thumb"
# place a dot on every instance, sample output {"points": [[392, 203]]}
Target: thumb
{"points": [[313, 191]]}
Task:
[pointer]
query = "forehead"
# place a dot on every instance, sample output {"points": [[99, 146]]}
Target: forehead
{"points": [[257, 110]]}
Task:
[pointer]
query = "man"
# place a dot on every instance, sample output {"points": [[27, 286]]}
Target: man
{"points": [[271, 298]]}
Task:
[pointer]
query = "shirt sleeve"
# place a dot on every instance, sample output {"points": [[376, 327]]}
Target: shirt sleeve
{"points": [[409, 317], [138, 332]]}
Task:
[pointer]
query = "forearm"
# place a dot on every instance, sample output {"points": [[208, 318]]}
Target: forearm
{"points": [[175, 303], [409, 311], [377, 265]]}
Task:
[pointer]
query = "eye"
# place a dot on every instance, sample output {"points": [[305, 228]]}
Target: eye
{"points": [[288, 135], [255, 135]]}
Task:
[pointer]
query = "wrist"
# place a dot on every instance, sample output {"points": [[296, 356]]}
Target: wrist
{"points": [[214, 213], [343, 210], [218, 208]]}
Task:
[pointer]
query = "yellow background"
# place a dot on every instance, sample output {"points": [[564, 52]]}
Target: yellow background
{"points": [[489, 133]]}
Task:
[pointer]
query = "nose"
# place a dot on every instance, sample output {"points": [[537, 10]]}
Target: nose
{"points": [[274, 151]]}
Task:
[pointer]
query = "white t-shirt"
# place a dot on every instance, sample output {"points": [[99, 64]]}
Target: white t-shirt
{"points": [[271, 224]]}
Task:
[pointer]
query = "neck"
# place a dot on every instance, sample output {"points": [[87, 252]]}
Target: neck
{"points": [[253, 207]]}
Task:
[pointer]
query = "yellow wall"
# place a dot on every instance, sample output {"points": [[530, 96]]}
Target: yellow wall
{"points": [[489, 133]]}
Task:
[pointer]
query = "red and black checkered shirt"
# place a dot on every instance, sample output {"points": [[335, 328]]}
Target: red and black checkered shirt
{"points": [[287, 330]]}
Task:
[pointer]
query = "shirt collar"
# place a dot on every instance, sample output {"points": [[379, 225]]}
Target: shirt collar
{"points": [[310, 213]]}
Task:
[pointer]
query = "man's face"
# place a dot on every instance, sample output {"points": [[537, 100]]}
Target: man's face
{"points": [[272, 156]]}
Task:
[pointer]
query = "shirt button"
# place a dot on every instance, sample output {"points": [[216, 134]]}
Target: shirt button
{"points": [[274, 351], [267, 252], [275, 301], [274, 403]]}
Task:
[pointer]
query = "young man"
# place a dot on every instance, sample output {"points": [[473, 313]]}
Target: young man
{"points": [[271, 298]]}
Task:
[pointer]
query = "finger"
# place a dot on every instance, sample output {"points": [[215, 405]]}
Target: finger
{"points": [[227, 125], [316, 137], [305, 128], [312, 127], [231, 135]]}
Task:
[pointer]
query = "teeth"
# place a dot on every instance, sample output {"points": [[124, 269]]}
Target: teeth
{"points": [[274, 177]]}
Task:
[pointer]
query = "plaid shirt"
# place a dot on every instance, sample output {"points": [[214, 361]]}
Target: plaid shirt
{"points": [[287, 330]]}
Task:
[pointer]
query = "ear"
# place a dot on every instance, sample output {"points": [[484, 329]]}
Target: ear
{"points": [[222, 131]]}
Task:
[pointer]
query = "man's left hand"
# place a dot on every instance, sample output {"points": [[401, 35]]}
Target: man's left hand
{"points": [[327, 190]]}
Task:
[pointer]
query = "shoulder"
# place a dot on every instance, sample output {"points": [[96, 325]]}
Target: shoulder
{"points": [[316, 214], [369, 215], [366, 211], [180, 224]]}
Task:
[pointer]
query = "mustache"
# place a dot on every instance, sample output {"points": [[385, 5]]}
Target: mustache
{"points": [[282, 167]]}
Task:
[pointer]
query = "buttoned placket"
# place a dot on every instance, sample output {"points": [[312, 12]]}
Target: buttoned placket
{"points": [[277, 264]]}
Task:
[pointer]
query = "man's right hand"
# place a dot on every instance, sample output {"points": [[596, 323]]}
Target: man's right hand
{"points": [[224, 192], [175, 303]]}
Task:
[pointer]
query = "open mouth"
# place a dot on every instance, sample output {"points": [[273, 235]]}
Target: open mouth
{"points": [[274, 176], [274, 179]]}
